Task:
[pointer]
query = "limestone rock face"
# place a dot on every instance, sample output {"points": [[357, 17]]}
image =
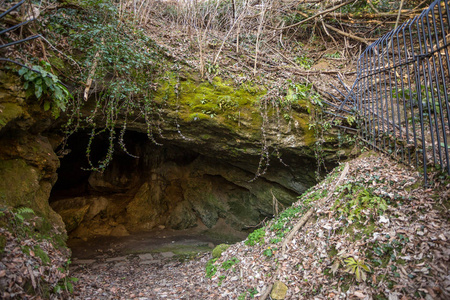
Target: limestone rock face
{"points": [[182, 216], [177, 189], [28, 163], [12, 98], [148, 207], [202, 175]]}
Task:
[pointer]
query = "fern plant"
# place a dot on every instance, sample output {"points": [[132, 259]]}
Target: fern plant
{"points": [[355, 200], [21, 212]]}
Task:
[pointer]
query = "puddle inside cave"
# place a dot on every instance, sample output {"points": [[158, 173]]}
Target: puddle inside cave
{"points": [[171, 198]]}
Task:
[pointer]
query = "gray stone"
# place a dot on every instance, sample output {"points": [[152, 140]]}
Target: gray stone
{"points": [[145, 256], [167, 254]]}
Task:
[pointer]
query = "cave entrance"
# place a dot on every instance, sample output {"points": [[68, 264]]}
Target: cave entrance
{"points": [[166, 196]]}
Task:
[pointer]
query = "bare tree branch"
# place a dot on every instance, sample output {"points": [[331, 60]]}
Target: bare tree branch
{"points": [[316, 15]]}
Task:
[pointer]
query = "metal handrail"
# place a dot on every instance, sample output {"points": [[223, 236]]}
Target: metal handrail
{"points": [[401, 91]]}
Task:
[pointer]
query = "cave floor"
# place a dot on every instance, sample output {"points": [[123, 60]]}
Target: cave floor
{"points": [[165, 242], [142, 264]]}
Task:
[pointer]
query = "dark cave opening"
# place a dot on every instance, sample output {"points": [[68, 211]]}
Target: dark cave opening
{"points": [[167, 191], [74, 171]]}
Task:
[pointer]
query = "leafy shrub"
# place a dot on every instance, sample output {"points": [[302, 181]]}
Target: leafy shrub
{"points": [[39, 81]]}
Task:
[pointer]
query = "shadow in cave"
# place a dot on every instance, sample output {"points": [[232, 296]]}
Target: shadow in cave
{"points": [[168, 199]]}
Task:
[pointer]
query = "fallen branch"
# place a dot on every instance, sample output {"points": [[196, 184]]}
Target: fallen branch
{"points": [[349, 35], [399, 14], [267, 291], [365, 16], [299, 224], [312, 210]]}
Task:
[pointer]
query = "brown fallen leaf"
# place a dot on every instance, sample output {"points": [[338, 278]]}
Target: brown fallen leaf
{"points": [[359, 294]]}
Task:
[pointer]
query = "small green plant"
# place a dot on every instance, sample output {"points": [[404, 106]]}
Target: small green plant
{"points": [[316, 99], [252, 292], [256, 237], [301, 92], [356, 267], [211, 269], [336, 54], [382, 253], [268, 252], [42, 255], [229, 263], [242, 296], [41, 82], [356, 200], [304, 62], [221, 278], [276, 240], [65, 285], [212, 69], [351, 119]]}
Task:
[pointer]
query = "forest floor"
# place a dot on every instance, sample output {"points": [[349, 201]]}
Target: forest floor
{"points": [[373, 231]]}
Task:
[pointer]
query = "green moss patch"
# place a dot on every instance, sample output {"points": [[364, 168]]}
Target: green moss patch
{"points": [[199, 100], [217, 252]]}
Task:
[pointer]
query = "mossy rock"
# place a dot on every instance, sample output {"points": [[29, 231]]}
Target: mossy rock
{"points": [[279, 290], [217, 252], [203, 100], [10, 111]]}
